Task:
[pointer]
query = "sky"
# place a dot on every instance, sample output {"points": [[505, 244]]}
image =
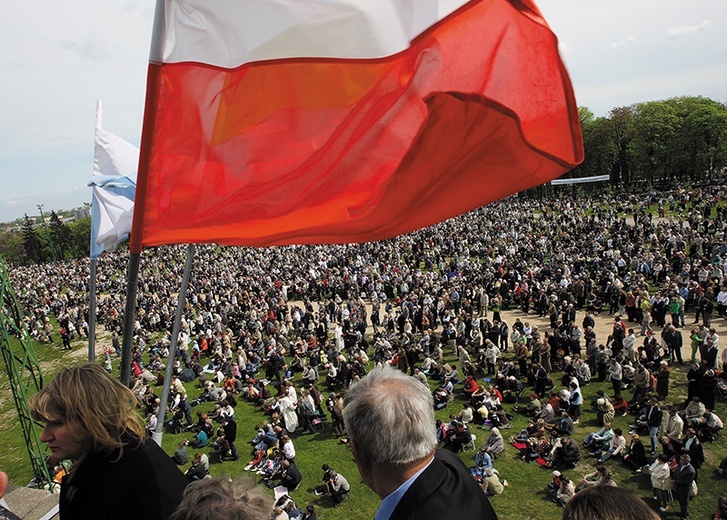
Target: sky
{"points": [[59, 58]]}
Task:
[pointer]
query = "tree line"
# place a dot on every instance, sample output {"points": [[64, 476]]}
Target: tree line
{"points": [[51, 241], [681, 140]]}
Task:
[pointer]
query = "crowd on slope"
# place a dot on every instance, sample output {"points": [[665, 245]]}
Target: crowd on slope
{"points": [[257, 317]]}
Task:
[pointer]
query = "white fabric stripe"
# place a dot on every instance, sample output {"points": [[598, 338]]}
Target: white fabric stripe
{"points": [[229, 33]]}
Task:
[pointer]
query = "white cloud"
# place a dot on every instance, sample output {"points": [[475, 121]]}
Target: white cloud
{"points": [[65, 136], [15, 202], [677, 32], [621, 44], [93, 48]]}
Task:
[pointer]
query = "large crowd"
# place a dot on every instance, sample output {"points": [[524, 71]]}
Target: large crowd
{"points": [[432, 304]]}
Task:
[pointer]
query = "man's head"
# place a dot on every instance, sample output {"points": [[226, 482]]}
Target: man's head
{"points": [[389, 419]]}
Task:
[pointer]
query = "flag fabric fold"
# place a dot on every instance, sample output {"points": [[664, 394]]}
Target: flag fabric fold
{"points": [[113, 188], [288, 121]]}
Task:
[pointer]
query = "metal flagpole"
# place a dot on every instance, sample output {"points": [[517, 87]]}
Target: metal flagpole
{"points": [[132, 279], [156, 51], [92, 312], [159, 432], [94, 261]]}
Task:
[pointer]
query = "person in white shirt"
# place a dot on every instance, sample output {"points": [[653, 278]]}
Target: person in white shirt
{"points": [[673, 424]]}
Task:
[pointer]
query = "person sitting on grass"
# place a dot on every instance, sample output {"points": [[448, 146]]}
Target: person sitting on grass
{"points": [[547, 414], [531, 451], [265, 438], [443, 394], [482, 462], [532, 408], [338, 486], [709, 426], [499, 418], [562, 427], [635, 457], [565, 450], [290, 476], [536, 429], [617, 447], [565, 492], [600, 439], [199, 469], [470, 385], [495, 444], [600, 477], [457, 437], [492, 485], [620, 405], [554, 484], [693, 413]]}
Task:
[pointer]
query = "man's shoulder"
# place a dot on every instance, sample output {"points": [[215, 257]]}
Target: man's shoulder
{"points": [[446, 487]]}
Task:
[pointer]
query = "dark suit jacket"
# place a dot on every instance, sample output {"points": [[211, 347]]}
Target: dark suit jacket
{"points": [[656, 415], [684, 476], [445, 489]]}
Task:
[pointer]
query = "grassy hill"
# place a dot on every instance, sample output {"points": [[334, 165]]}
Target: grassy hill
{"points": [[525, 497]]}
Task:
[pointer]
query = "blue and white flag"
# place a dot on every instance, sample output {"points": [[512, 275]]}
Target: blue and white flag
{"points": [[113, 188]]}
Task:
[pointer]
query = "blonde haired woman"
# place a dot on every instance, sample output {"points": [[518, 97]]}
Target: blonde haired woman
{"points": [[117, 472]]}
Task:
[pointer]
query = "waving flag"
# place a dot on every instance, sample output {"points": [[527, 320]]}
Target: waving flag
{"points": [[113, 186], [323, 121]]}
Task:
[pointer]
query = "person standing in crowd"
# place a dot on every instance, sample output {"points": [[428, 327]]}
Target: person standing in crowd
{"points": [[117, 472], [403, 468], [684, 476]]}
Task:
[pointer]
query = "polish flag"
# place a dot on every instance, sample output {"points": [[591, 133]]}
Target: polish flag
{"points": [[273, 122]]}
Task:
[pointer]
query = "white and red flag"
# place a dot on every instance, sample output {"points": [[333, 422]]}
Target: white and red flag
{"points": [[330, 121]]}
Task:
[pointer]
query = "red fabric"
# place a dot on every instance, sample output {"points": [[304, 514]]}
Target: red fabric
{"points": [[334, 151]]}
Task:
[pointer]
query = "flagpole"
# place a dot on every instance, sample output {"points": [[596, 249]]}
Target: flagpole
{"points": [[92, 312], [157, 39], [94, 261], [132, 279], [181, 299]]}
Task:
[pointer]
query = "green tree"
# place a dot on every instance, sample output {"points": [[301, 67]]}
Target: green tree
{"points": [[11, 247], [600, 147], [702, 136], [61, 236], [31, 243], [622, 129], [656, 126], [80, 237]]}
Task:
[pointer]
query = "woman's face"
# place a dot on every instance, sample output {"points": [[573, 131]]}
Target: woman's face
{"points": [[63, 441]]}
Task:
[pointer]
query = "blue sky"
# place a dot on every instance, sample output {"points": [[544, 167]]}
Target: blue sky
{"points": [[58, 58]]}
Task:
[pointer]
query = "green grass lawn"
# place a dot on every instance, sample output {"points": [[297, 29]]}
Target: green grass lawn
{"points": [[524, 498]]}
